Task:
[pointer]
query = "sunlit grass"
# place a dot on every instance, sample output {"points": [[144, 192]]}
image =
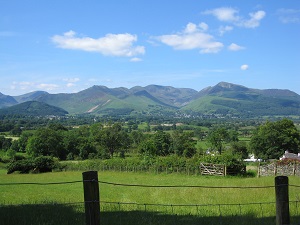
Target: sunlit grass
{"points": [[204, 202], [74, 192]]}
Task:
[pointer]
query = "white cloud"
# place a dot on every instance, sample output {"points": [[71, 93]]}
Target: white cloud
{"points": [[31, 86], [224, 29], [235, 47], [71, 80], [135, 59], [289, 15], [110, 44], [203, 26], [48, 87], [254, 20], [191, 28], [70, 85], [244, 67], [224, 14], [192, 37], [231, 15]]}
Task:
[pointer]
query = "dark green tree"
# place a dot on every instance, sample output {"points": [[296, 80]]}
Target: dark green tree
{"points": [[162, 143], [240, 148], [183, 143], [217, 137], [24, 139], [272, 139], [111, 137], [46, 142]]}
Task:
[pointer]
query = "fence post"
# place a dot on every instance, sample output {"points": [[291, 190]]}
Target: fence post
{"points": [[282, 200], [91, 197]]}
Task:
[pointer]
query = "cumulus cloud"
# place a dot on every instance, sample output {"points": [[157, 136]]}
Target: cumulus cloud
{"points": [[110, 44], [224, 14], [30, 86], [231, 15], [224, 29], [135, 59], [289, 15], [71, 80], [244, 67], [48, 87], [71, 84], [254, 20], [192, 37], [203, 26], [235, 47]]}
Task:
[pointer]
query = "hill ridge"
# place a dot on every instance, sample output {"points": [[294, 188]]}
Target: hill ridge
{"points": [[224, 98]]}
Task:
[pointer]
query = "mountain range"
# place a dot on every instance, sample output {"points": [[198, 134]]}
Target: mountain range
{"points": [[223, 98]]}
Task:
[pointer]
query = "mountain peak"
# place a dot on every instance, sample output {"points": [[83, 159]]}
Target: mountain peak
{"points": [[227, 85]]}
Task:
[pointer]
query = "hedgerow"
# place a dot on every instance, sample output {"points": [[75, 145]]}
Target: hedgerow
{"points": [[37, 165]]}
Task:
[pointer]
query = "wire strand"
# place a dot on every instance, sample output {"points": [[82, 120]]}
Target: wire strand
{"points": [[37, 183], [184, 186]]}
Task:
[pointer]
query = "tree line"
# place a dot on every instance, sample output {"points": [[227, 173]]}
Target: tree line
{"points": [[107, 140]]}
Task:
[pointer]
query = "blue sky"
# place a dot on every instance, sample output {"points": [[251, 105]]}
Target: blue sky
{"points": [[67, 46]]}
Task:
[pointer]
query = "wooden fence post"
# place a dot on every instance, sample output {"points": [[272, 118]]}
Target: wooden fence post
{"points": [[282, 200], [91, 197]]}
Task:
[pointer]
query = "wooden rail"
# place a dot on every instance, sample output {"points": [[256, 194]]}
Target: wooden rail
{"points": [[212, 169]]}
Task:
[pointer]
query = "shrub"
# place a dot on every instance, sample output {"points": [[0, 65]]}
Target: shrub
{"points": [[44, 164], [23, 166], [38, 165]]}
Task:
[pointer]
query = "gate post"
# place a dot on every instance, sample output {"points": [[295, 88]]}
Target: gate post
{"points": [[282, 200], [91, 197]]}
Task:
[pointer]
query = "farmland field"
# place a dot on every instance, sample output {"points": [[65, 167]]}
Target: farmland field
{"points": [[153, 204]]}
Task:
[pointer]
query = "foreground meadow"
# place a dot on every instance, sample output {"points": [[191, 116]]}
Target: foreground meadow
{"points": [[63, 203]]}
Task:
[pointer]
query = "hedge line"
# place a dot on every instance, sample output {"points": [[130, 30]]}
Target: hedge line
{"points": [[168, 164]]}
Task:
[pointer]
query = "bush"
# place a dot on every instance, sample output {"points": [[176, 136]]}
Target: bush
{"points": [[44, 164], [38, 165], [23, 166]]}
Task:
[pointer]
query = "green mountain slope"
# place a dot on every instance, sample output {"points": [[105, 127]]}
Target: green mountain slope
{"points": [[226, 98], [33, 108], [171, 96], [102, 100], [223, 98], [31, 96], [6, 101]]}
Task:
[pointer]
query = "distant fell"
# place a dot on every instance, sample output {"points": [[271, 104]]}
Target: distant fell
{"points": [[223, 98], [227, 98], [33, 108]]}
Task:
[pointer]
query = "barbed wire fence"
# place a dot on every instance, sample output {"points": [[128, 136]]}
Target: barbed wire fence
{"points": [[123, 213]]}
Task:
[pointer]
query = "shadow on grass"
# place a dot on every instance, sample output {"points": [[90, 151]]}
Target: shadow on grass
{"points": [[58, 214], [42, 214]]}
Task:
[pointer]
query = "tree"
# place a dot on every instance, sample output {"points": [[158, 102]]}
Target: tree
{"points": [[272, 139], [162, 143], [240, 148], [147, 147], [46, 142], [24, 139], [5, 143], [183, 143], [217, 137], [136, 137], [112, 138]]}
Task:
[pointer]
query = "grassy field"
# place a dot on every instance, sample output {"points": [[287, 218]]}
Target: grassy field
{"points": [[202, 205]]}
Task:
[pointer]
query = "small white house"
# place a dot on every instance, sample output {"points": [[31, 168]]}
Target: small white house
{"points": [[288, 155], [252, 159]]}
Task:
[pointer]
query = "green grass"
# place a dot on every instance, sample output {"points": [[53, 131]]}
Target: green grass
{"points": [[74, 192], [136, 213]]}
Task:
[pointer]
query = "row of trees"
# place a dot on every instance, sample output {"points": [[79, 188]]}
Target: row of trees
{"points": [[101, 141], [269, 140]]}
